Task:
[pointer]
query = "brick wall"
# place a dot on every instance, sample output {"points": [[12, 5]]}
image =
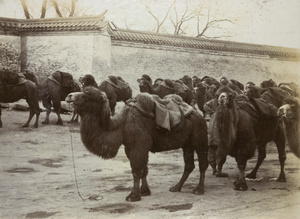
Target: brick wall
{"points": [[10, 50], [132, 60]]}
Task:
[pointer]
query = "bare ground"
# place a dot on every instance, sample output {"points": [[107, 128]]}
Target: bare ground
{"points": [[44, 172]]}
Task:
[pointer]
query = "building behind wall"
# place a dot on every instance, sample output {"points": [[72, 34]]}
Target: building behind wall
{"points": [[90, 45]]}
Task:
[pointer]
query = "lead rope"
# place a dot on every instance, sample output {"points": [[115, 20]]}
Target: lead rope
{"points": [[93, 197], [74, 167]]}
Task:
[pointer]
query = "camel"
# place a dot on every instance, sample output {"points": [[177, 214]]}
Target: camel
{"points": [[241, 128], [14, 87], [289, 113], [116, 90], [136, 129], [165, 88], [53, 90], [202, 94]]}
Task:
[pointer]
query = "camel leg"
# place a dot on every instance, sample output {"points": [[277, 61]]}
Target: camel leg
{"points": [[56, 106], [0, 117], [280, 144], [261, 156], [241, 183], [31, 114], [221, 159], [145, 190], [203, 165], [212, 153], [139, 169], [188, 155], [47, 104]]}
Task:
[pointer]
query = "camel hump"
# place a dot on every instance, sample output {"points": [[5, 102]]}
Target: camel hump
{"points": [[113, 79]]}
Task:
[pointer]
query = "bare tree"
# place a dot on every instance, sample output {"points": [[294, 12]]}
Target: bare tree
{"points": [[183, 19], [58, 5], [159, 23], [25, 8]]}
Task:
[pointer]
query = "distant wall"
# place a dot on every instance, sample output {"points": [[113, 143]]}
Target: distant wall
{"points": [[78, 54], [132, 60], [10, 51]]}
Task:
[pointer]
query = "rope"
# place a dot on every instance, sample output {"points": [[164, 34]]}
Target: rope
{"points": [[93, 197], [74, 168]]}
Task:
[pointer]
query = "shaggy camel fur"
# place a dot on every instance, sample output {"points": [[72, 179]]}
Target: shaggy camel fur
{"points": [[289, 112], [11, 91], [241, 129], [103, 135]]}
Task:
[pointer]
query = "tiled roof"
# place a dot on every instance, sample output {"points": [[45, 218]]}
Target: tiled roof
{"points": [[118, 34], [93, 23]]}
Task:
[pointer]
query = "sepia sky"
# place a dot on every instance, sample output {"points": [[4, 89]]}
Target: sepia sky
{"points": [[270, 22]]}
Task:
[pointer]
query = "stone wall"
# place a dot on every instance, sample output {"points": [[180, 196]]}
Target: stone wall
{"points": [[10, 51], [77, 54], [132, 60]]}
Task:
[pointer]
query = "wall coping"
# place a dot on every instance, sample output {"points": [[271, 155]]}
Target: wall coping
{"points": [[64, 24]]}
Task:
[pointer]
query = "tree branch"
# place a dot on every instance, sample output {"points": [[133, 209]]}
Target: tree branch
{"points": [[56, 8], [43, 10], [25, 8]]}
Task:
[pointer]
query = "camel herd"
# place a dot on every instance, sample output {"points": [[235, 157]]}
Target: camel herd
{"points": [[214, 118]]}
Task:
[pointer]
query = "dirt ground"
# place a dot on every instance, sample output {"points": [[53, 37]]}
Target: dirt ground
{"points": [[48, 173]]}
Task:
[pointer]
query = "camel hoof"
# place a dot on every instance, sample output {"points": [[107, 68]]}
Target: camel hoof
{"points": [[198, 191], [220, 174], [240, 186], [45, 122], [281, 178], [175, 189], [251, 176], [145, 191], [133, 197], [25, 126]]}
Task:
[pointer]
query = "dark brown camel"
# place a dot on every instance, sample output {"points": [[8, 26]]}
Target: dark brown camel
{"points": [[241, 128], [202, 94], [116, 90], [165, 88], [13, 88], [289, 112], [103, 135], [53, 90]]}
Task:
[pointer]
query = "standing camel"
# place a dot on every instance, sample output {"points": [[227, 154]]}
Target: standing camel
{"points": [[135, 127], [241, 128], [53, 90], [116, 90], [14, 87], [289, 113]]}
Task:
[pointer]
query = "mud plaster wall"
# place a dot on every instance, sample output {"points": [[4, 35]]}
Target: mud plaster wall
{"points": [[133, 60], [10, 51], [76, 54]]}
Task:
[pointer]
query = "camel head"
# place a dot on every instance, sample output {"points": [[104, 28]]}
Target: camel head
{"points": [[90, 101], [290, 108], [88, 80], [144, 84], [225, 96]]}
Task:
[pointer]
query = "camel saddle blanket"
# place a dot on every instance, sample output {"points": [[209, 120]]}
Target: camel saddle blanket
{"points": [[256, 107], [168, 112], [22, 80], [51, 78], [179, 87], [63, 79]]}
